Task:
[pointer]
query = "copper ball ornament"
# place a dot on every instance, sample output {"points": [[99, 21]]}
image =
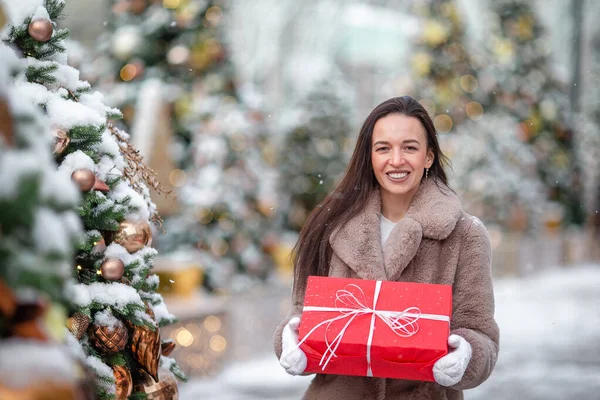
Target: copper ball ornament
{"points": [[112, 269], [61, 141], [84, 178], [108, 340], [134, 235], [41, 30], [123, 381]]}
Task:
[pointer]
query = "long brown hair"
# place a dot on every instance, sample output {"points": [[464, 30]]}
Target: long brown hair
{"points": [[313, 251]]}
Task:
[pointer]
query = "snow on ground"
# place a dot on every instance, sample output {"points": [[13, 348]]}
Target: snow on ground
{"points": [[550, 347]]}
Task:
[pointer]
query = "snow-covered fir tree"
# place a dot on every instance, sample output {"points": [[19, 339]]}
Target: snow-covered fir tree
{"points": [[226, 185], [491, 164], [444, 78], [517, 79], [177, 42], [495, 173], [39, 228], [115, 313], [314, 152]]}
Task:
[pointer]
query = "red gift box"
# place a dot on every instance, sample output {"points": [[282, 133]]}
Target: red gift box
{"points": [[375, 328]]}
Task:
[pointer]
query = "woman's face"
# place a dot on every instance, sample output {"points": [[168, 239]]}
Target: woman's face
{"points": [[399, 154]]}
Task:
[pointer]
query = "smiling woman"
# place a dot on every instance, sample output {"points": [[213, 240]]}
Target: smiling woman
{"points": [[394, 218], [400, 157]]}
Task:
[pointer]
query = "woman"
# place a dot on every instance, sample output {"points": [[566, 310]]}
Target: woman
{"points": [[393, 217]]}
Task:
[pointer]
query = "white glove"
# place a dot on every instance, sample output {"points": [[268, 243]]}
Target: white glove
{"points": [[450, 369], [293, 359]]}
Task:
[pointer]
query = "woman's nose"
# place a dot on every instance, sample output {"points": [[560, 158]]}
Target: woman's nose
{"points": [[397, 158]]}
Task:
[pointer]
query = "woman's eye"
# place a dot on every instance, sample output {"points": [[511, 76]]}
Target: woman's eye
{"points": [[411, 148], [382, 148]]}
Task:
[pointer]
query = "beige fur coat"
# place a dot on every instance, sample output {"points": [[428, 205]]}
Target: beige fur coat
{"points": [[435, 242]]}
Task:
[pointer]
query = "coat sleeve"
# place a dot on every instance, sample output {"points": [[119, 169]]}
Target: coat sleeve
{"points": [[473, 305]]}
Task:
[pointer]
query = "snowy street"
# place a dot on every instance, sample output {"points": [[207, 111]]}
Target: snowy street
{"points": [[550, 347]]}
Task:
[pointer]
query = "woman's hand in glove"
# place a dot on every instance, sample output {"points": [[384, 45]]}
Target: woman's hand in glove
{"points": [[450, 369], [293, 359]]}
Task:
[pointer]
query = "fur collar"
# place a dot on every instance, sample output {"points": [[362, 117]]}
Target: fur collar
{"points": [[433, 214]]}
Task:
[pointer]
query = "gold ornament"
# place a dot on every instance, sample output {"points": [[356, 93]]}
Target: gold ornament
{"points": [[123, 381], [112, 269], [134, 235], [77, 324], [167, 347], [108, 340], [6, 122], [166, 389], [61, 141], [84, 178], [145, 346], [41, 30]]}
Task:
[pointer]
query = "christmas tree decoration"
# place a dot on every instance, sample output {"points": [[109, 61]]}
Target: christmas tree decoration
{"points": [[78, 324], [145, 346], [98, 153], [61, 142], [84, 178], [108, 339], [6, 122], [112, 269], [516, 79], [166, 389], [41, 30], [134, 235], [182, 46], [123, 382], [318, 141], [39, 229]]}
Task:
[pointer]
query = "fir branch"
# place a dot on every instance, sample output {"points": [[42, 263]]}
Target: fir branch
{"points": [[179, 374], [55, 9], [42, 75]]}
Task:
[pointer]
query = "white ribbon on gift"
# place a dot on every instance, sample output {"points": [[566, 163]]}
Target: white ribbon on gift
{"points": [[402, 323]]}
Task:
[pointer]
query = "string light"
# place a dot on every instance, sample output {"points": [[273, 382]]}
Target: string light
{"points": [[128, 72], [177, 177], [443, 123], [474, 110]]}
